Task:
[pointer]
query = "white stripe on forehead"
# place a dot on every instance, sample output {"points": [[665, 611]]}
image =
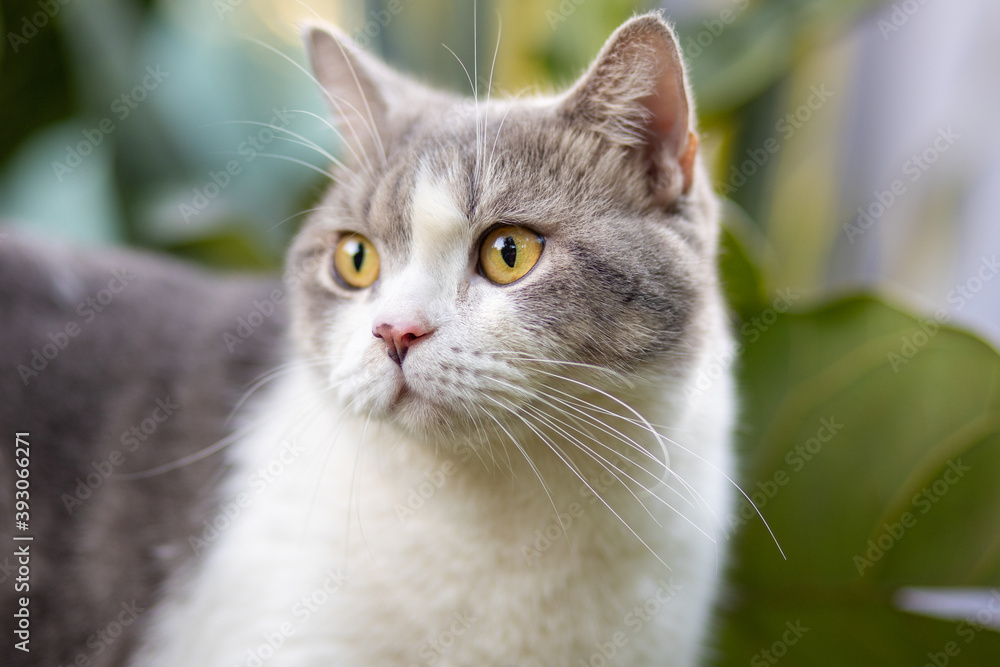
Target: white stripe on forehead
{"points": [[439, 227]]}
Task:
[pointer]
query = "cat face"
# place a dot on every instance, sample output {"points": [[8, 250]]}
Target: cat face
{"points": [[475, 257]]}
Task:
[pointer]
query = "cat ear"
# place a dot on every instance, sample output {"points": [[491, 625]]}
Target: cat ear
{"points": [[360, 89], [635, 95]]}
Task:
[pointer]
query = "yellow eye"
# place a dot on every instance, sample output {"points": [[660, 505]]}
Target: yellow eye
{"points": [[508, 253], [356, 261]]}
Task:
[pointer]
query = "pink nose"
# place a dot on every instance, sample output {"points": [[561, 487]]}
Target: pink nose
{"points": [[398, 338]]}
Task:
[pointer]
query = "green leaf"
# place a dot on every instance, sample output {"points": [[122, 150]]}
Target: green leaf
{"points": [[741, 278], [872, 442]]}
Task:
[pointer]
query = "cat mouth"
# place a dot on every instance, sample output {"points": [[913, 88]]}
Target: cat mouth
{"points": [[413, 407], [406, 395], [403, 395]]}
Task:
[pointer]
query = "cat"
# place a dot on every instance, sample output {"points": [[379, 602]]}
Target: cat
{"points": [[476, 446]]}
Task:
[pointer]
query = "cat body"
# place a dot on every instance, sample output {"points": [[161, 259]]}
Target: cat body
{"points": [[112, 363], [483, 448], [477, 572], [457, 512]]}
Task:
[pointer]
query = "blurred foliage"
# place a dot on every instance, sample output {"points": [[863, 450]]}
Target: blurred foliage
{"points": [[872, 448], [41, 76], [822, 361], [898, 429]]}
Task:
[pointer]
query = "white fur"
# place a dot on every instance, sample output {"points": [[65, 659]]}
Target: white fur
{"points": [[347, 541], [439, 226], [425, 553], [458, 557], [440, 240]]}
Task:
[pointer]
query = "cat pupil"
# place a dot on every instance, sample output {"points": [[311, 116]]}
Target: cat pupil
{"points": [[509, 252], [359, 257]]}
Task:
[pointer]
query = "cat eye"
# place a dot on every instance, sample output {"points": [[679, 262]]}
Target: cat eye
{"points": [[355, 261], [508, 253]]}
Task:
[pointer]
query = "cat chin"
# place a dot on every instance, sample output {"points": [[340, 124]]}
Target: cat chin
{"points": [[389, 398]]}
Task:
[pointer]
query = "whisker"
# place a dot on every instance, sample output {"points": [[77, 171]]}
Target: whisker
{"points": [[301, 140], [356, 489], [340, 136], [196, 456], [333, 100], [659, 438], [738, 488], [607, 428], [642, 469], [604, 426], [305, 212], [288, 158], [600, 460], [524, 453], [497, 138], [271, 375], [531, 463], [615, 375], [332, 440], [558, 452], [615, 433], [489, 89], [543, 396], [605, 462], [191, 458], [482, 438]]}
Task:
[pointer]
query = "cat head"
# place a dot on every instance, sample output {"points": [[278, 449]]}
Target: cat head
{"points": [[474, 257]]}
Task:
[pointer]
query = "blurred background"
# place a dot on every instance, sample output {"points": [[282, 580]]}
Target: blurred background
{"points": [[907, 95], [856, 143]]}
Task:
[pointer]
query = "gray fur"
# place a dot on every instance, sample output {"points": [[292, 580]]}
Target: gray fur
{"points": [[599, 172], [161, 337], [627, 278]]}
